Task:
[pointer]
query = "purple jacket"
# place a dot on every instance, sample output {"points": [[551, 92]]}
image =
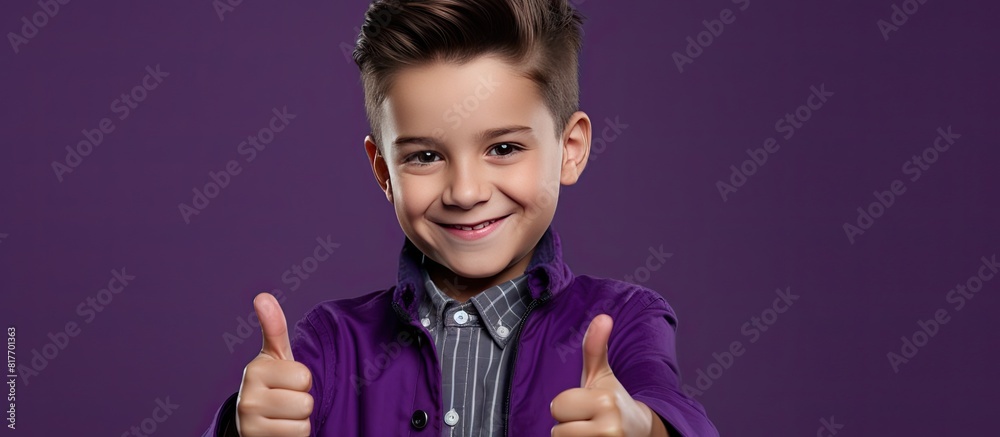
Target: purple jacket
{"points": [[375, 371]]}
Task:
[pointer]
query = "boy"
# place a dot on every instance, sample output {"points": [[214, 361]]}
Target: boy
{"points": [[473, 109]]}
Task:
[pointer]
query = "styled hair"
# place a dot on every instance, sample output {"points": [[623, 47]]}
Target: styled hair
{"points": [[539, 39]]}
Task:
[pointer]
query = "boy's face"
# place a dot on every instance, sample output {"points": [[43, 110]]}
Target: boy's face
{"points": [[472, 143]]}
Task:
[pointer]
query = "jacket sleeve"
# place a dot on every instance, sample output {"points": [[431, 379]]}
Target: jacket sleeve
{"points": [[313, 346], [224, 421], [642, 353], [311, 333]]}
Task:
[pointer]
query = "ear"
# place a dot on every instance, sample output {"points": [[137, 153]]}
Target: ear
{"points": [[379, 167], [576, 147]]}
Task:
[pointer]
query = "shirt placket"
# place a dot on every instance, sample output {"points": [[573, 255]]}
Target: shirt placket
{"points": [[461, 325]]}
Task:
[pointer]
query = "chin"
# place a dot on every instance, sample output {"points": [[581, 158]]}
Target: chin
{"points": [[469, 268]]}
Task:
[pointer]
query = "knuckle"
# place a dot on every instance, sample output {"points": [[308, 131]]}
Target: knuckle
{"points": [[558, 401], [249, 427], [308, 403], [243, 407], [254, 370], [612, 430], [304, 377], [247, 408], [605, 400], [303, 428]]}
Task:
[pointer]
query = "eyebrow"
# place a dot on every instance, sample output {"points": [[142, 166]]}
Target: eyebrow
{"points": [[485, 135]]}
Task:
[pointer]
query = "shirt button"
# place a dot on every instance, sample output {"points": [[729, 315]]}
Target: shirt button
{"points": [[503, 331], [451, 417], [419, 419], [425, 321], [461, 317]]}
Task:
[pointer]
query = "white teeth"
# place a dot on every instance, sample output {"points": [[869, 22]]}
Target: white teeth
{"points": [[479, 226]]}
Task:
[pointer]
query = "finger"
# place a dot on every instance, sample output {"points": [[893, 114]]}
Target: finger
{"points": [[263, 427], [287, 404], [576, 429], [595, 350], [276, 404], [273, 327], [288, 375], [579, 404]]}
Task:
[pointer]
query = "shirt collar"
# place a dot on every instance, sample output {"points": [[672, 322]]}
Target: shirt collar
{"points": [[546, 275], [498, 309]]}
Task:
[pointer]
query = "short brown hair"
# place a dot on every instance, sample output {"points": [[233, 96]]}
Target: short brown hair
{"points": [[540, 39]]}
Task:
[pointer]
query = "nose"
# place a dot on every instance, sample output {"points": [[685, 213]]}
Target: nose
{"points": [[466, 187]]}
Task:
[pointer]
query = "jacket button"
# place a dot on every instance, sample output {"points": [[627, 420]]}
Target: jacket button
{"points": [[419, 419]]}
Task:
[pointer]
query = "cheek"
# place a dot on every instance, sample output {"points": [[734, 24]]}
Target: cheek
{"points": [[533, 185], [414, 195]]}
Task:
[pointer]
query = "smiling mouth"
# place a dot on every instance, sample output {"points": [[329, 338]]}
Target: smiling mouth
{"points": [[473, 226]]}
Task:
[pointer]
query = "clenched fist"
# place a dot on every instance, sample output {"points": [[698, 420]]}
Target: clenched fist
{"points": [[274, 397]]}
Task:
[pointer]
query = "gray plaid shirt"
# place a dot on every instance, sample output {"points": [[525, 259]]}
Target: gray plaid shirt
{"points": [[471, 340]]}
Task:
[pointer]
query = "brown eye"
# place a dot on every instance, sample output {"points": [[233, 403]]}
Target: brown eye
{"points": [[428, 155], [424, 157], [504, 149]]}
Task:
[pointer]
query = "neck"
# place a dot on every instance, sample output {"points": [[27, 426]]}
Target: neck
{"points": [[461, 288]]}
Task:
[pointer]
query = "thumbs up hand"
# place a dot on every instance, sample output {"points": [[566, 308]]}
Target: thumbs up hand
{"points": [[601, 406], [274, 397]]}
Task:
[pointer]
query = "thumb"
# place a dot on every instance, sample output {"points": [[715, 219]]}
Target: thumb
{"points": [[595, 350], [273, 327]]}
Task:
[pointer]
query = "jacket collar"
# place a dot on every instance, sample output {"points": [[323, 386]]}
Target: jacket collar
{"points": [[547, 274]]}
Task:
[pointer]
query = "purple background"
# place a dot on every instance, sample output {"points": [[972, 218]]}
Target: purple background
{"points": [[654, 185]]}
